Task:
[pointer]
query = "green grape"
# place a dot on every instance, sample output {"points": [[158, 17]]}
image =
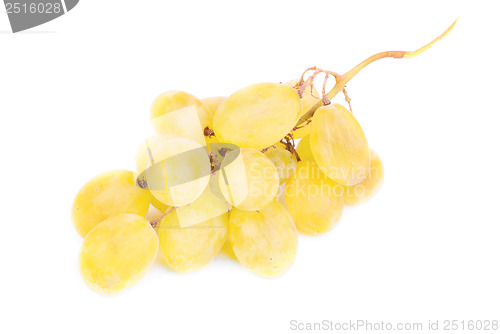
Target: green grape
{"points": [[365, 190], [314, 201], [308, 100], [178, 172], [213, 103], [248, 180], [304, 149], [264, 241], [190, 248], [108, 194], [258, 116], [117, 253], [339, 145], [284, 161], [182, 114]]}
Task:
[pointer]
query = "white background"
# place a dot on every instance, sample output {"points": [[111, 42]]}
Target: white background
{"points": [[74, 102]]}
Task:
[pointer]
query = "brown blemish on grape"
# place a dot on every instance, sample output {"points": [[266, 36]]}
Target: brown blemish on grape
{"points": [[208, 132], [142, 183]]}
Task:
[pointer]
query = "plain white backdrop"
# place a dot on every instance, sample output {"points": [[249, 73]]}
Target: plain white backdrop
{"points": [[75, 95]]}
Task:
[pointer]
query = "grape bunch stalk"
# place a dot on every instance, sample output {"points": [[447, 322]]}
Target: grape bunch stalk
{"points": [[241, 174]]}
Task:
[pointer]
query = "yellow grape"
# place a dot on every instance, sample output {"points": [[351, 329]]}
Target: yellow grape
{"points": [[162, 207], [108, 194], [227, 250], [264, 241], [304, 149], [210, 204], [314, 201], [211, 140], [182, 114], [248, 179], [213, 103], [339, 145], [179, 171], [308, 101], [190, 248], [366, 189], [258, 116], [142, 159], [143, 156], [281, 194], [285, 162], [117, 253]]}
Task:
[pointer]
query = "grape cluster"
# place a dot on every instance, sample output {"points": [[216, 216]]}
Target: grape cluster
{"points": [[242, 174]]}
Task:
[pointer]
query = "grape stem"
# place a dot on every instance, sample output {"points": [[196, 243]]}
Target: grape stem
{"points": [[289, 143], [342, 80], [156, 221]]}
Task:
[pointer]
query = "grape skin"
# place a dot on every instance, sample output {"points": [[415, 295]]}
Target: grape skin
{"points": [[258, 116], [210, 204], [185, 174], [339, 145], [284, 161], [264, 241], [143, 158], [190, 248], [107, 195], [314, 201], [252, 180], [182, 114], [304, 149], [365, 190], [308, 100], [117, 253], [162, 207], [227, 250], [213, 103]]}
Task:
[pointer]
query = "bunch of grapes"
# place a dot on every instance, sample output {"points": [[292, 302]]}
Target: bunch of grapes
{"points": [[242, 173]]}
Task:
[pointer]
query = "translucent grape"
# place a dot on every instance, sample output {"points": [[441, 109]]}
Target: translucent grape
{"points": [[314, 201], [213, 103], [179, 171], [258, 116], [190, 248], [366, 189], [210, 204], [264, 241], [117, 253], [304, 149], [284, 161], [108, 194], [162, 207], [182, 114], [142, 160], [144, 153], [227, 250], [248, 179], [308, 100], [339, 145]]}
